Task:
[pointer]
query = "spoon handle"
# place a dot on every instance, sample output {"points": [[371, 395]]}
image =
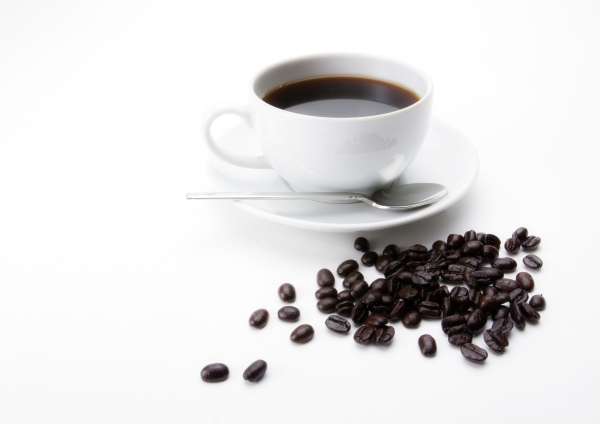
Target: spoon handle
{"points": [[276, 196]]}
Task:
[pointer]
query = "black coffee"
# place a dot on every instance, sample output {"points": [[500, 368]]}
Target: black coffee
{"points": [[341, 96]]}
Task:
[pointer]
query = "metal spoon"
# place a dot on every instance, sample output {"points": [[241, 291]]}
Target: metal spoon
{"points": [[407, 196]]}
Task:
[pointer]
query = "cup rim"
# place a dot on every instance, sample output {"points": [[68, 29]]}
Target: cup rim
{"points": [[428, 94]]}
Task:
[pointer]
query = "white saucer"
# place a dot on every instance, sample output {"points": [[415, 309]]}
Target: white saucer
{"points": [[447, 158]]}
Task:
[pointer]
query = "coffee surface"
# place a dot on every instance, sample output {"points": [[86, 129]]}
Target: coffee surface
{"points": [[341, 96]]}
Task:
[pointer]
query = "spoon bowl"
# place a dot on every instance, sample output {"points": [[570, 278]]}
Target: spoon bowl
{"points": [[401, 197]]}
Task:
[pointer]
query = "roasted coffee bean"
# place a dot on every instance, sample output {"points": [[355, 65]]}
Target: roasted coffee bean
{"points": [[347, 267], [500, 298], [287, 293], [379, 284], [379, 309], [255, 371], [359, 289], [325, 278], [533, 261], [384, 335], [477, 320], [376, 320], [324, 292], [337, 324], [504, 264], [327, 305], [487, 303], [525, 280], [408, 293], [474, 296], [493, 241], [490, 291], [452, 255], [538, 302], [213, 373], [398, 310], [404, 277], [460, 339], [512, 245], [518, 295], [506, 285], [259, 318], [418, 257], [289, 313], [369, 258], [481, 237], [302, 333], [364, 335], [387, 301], [459, 291], [344, 308], [435, 256], [531, 243], [471, 248], [392, 286], [392, 251], [440, 293], [372, 297], [529, 312], [352, 278], [504, 325], [459, 329], [429, 309], [517, 315], [393, 267], [382, 262], [455, 241], [490, 252], [452, 321], [418, 248], [460, 302], [440, 245], [344, 295], [361, 244], [427, 345], [501, 312], [520, 233], [474, 353], [487, 274], [470, 235], [359, 313], [422, 278], [411, 319], [496, 340]]}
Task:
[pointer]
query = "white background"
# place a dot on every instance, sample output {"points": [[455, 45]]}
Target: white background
{"points": [[115, 291]]}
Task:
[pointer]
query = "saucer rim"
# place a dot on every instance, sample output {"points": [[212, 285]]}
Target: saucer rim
{"points": [[428, 211]]}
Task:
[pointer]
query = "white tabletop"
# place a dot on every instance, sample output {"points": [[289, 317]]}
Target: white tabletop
{"points": [[115, 291]]}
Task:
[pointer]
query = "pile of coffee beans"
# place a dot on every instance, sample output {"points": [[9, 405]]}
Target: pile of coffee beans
{"points": [[415, 285]]}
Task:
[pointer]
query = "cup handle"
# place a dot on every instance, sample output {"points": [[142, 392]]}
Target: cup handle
{"points": [[245, 161]]}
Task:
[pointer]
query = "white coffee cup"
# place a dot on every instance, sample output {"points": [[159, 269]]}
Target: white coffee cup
{"points": [[315, 153]]}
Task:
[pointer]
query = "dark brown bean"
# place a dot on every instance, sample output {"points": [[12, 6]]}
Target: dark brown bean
{"points": [[517, 315], [347, 267], [459, 339], [476, 320], [440, 245], [324, 292], [525, 281], [501, 312], [259, 318], [398, 310], [361, 244], [325, 278], [359, 313], [337, 324], [504, 264], [531, 243], [369, 258], [496, 340], [344, 308], [344, 295], [455, 241], [533, 261], [302, 334], [384, 335], [327, 305], [289, 314], [504, 325], [429, 309], [359, 289], [490, 252], [287, 293], [520, 233], [382, 262], [364, 335], [474, 353], [392, 251], [471, 248], [427, 345], [372, 297], [214, 373], [255, 371], [376, 320], [506, 285], [512, 245], [538, 302], [352, 278], [380, 284], [411, 319], [493, 241], [529, 312]]}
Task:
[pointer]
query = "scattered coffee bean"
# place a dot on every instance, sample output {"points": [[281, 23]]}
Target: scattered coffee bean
{"points": [[347, 267], [325, 278], [411, 319], [382, 262], [372, 297], [259, 318], [287, 293], [289, 314], [255, 371], [504, 325], [324, 292], [476, 320], [504, 264], [512, 245], [501, 312], [517, 315], [474, 353], [214, 373], [352, 278], [344, 295], [532, 261], [493, 241], [455, 241], [327, 305], [427, 345], [359, 313], [440, 245], [490, 252], [364, 335], [344, 308], [520, 233], [529, 312], [525, 280], [369, 258], [496, 340], [384, 335], [392, 251], [538, 302], [337, 324], [302, 334], [531, 243], [361, 244], [359, 289], [376, 320], [460, 339], [381, 285]]}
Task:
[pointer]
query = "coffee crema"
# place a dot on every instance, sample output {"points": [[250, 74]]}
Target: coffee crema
{"points": [[341, 96]]}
